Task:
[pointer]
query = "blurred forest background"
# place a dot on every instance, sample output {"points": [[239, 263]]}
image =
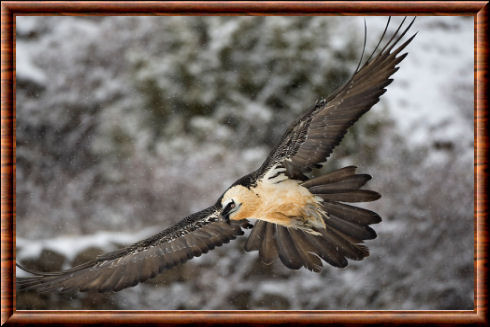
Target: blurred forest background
{"points": [[127, 124]]}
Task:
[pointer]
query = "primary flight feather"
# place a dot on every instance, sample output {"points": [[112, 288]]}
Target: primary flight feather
{"points": [[300, 220]]}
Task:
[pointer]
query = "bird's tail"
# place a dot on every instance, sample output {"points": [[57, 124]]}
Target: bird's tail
{"points": [[346, 226]]}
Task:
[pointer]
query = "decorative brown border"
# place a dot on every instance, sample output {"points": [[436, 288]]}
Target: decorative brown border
{"points": [[9, 9]]}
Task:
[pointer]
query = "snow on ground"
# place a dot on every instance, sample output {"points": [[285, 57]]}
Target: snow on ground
{"points": [[70, 246]]}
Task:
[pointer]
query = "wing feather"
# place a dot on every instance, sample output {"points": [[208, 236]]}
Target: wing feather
{"points": [[309, 141], [129, 266]]}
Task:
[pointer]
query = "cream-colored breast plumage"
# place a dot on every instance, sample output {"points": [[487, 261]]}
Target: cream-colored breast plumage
{"points": [[286, 203]]}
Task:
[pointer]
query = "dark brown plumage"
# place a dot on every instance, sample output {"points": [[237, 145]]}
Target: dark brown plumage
{"points": [[193, 236], [326, 228], [347, 226], [307, 144], [309, 140]]}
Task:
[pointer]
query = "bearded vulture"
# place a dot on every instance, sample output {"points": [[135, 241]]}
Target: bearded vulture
{"points": [[300, 219]]}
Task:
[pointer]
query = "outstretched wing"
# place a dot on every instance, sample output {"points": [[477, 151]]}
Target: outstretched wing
{"points": [[307, 144], [194, 235], [311, 138]]}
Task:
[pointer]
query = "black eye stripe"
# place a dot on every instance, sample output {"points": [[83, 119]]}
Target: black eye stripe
{"points": [[229, 206]]}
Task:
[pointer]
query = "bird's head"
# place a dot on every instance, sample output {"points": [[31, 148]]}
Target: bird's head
{"points": [[238, 202]]}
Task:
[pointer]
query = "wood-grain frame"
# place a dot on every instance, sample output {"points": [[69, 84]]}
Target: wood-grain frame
{"points": [[10, 9]]}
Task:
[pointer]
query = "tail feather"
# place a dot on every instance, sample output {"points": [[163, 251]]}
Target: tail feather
{"points": [[352, 182], [306, 251], [287, 249], [331, 177], [343, 245], [352, 214], [268, 248], [360, 232], [346, 226], [351, 196], [256, 236], [326, 251]]}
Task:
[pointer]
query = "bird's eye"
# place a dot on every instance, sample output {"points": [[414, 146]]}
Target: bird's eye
{"points": [[230, 206]]}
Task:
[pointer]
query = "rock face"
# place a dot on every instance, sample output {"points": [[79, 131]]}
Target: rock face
{"points": [[48, 260], [86, 255], [128, 123]]}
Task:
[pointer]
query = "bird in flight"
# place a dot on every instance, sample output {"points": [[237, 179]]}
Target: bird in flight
{"points": [[301, 220]]}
